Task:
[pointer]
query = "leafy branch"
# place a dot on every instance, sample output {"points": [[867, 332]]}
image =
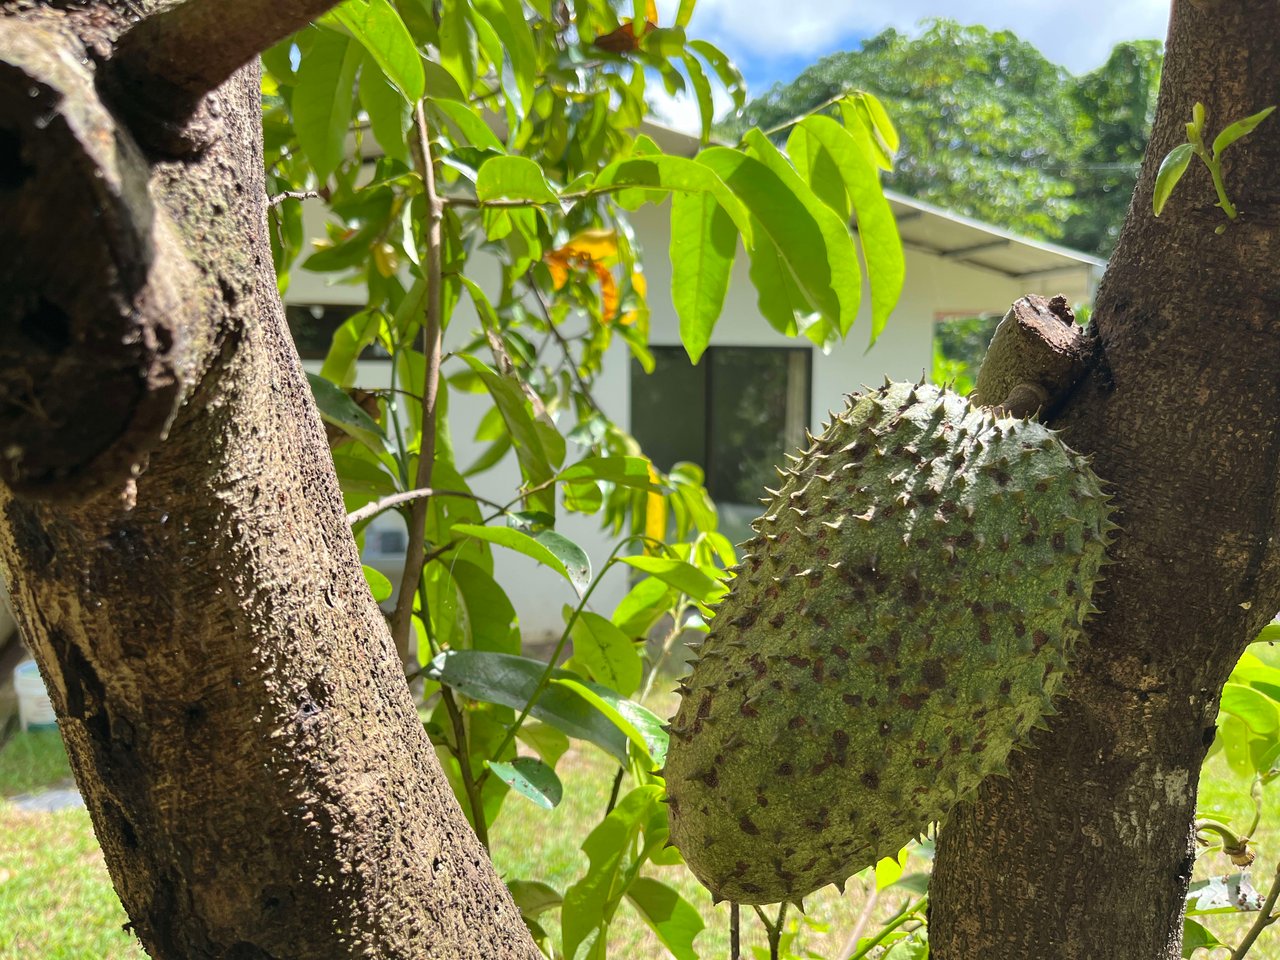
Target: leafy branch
{"points": [[1176, 161]]}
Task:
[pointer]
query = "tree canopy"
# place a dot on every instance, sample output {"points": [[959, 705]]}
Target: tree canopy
{"points": [[993, 129]]}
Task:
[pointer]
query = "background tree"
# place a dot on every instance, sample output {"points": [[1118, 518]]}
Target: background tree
{"points": [[992, 129]]}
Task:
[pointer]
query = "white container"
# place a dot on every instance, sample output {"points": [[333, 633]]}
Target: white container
{"points": [[34, 709]]}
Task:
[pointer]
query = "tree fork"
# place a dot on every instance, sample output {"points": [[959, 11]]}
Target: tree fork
{"points": [[234, 709], [1086, 850]]}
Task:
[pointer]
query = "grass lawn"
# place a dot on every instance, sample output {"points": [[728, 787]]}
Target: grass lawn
{"points": [[56, 902]]}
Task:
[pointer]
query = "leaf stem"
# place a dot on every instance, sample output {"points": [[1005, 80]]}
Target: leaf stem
{"points": [[469, 783], [901, 917], [402, 618], [560, 645], [1264, 919], [376, 507]]}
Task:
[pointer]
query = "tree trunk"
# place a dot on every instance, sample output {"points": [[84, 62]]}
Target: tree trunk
{"points": [[1086, 850], [173, 533]]}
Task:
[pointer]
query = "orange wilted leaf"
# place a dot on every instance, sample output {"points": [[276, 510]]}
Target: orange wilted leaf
{"points": [[625, 39], [588, 250], [608, 290], [558, 264], [595, 244]]}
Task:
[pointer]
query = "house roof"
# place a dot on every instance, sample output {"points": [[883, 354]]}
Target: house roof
{"points": [[949, 236]]}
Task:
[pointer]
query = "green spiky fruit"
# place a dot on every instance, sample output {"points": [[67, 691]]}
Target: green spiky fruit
{"points": [[901, 620]]}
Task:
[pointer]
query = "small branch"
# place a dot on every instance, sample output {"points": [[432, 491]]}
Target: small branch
{"points": [[773, 929], [502, 203], [564, 345], [194, 46], [402, 618], [901, 917], [864, 917], [395, 499], [279, 198], [1265, 919], [735, 932], [469, 784]]}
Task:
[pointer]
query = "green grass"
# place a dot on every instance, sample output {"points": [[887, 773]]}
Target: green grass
{"points": [[56, 900], [33, 760]]}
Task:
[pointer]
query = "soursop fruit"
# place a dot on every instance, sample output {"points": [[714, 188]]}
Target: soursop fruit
{"points": [[902, 618]]}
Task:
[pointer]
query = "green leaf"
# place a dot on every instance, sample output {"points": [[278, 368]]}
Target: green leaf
{"points": [[508, 20], [624, 471], [1171, 170], [379, 585], [510, 681], [606, 654], [323, 99], [1240, 128], [669, 915], [685, 577], [349, 341], [814, 241], [530, 443], [877, 228], [1196, 937], [490, 619], [546, 546], [677, 174], [703, 244], [590, 903], [702, 92], [724, 68], [778, 295], [387, 109], [383, 34], [549, 743], [533, 897], [642, 607], [641, 726], [340, 410], [1259, 712], [457, 46], [880, 122], [530, 778], [475, 132], [513, 178], [685, 13]]}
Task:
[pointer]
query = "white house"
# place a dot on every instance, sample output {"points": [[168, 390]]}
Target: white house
{"points": [[754, 392]]}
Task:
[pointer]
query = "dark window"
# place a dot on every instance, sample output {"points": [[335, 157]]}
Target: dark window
{"points": [[734, 414], [314, 324]]}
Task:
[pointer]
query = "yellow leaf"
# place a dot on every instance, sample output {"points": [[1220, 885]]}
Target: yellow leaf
{"points": [[592, 244], [651, 11], [655, 515], [641, 286]]}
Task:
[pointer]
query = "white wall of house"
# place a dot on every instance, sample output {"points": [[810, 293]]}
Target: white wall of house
{"points": [[936, 286]]}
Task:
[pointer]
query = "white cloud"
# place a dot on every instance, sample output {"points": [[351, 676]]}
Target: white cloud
{"points": [[1076, 34]]}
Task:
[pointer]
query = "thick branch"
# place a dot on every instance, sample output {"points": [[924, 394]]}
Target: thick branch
{"points": [[195, 45], [92, 359], [1181, 413]]}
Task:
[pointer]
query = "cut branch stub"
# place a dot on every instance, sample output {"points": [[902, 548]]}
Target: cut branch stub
{"points": [[96, 285], [1037, 355]]}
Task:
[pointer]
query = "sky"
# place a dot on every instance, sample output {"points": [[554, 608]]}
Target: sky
{"points": [[768, 47]]}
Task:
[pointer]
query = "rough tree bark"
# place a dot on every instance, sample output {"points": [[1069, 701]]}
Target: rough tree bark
{"points": [[172, 530], [1085, 852]]}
